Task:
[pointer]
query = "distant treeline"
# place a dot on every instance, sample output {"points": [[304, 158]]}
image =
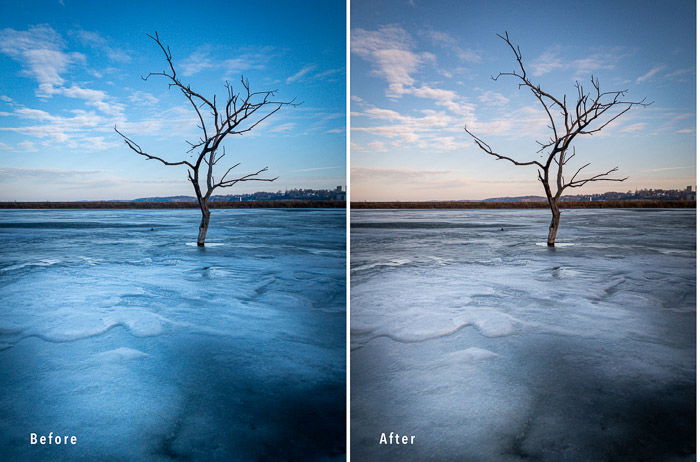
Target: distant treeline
{"points": [[524, 205], [173, 205]]}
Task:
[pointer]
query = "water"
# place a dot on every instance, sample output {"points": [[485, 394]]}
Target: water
{"points": [[472, 335], [116, 330]]}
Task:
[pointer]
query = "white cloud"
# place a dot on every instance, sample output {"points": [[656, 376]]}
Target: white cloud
{"points": [[286, 127], [652, 72], [96, 41], [493, 98], [39, 50], [447, 41], [301, 73], [679, 73], [13, 173], [143, 98], [398, 175], [634, 127], [196, 62], [551, 60], [389, 50], [201, 60]]}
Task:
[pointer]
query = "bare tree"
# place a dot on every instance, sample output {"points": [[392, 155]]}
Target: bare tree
{"points": [[593, 111], [241, 113]]}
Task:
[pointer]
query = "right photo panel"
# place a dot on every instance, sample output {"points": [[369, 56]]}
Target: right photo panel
{"points": [[523, 231]]}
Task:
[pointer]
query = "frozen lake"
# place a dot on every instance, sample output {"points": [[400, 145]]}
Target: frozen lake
{"points": [[472, 335], [148, 349]]}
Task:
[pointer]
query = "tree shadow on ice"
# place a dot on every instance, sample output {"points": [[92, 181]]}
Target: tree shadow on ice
{"points": [[583, 411], [240, 408]]}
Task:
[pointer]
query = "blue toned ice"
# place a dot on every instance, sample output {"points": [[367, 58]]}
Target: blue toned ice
{"points": [[115, 330], [487, 346]]}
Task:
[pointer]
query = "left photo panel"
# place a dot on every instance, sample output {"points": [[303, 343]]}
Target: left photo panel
{"points": [[172, 211]]}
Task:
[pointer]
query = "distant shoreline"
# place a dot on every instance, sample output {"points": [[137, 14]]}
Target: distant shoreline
{"points": [[636, 204], [174, 205], [652, 204]]}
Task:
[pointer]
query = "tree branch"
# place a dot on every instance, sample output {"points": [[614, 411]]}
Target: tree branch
{"points": [[137, 149]]}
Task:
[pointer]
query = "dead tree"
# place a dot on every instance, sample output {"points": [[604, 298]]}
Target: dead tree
{"points": [[241, 113], [593, 111]]}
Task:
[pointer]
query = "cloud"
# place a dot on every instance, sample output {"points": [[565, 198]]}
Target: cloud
{"points": [[634, 127], [76, 131], [546, 62], [447, 41], [196, 62], [12, 173], [201, 60], [652, 72], [550, 61], [143, 98], [301, 73], [315, 169], [96, 41], [23, 146], [389, 51], [493, 98], [286, 127], [40, 51], [398, 175], [678, 73], [666, 169]]}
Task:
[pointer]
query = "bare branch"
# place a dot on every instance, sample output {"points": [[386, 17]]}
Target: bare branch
{"points": [[250, 177], [137, 149], [599, 177], [487, 149]]}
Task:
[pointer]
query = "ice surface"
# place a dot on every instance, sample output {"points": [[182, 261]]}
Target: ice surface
{"points": [[114, 330], [487, 346]]}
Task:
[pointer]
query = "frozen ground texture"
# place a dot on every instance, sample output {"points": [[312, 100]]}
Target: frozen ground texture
{"points": [[488, 346], [148, 349]]}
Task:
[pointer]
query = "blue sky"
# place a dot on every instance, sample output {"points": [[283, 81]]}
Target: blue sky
{"points": [[421, 71], [72, 69]]}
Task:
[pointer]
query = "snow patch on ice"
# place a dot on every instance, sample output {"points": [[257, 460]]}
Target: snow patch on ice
{"points": [[43, 262], [469, 355], [120, 354], [390, 263]]}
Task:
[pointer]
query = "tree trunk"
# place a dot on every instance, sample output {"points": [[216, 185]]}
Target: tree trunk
{"points": [[554, 224], [204, 225]]}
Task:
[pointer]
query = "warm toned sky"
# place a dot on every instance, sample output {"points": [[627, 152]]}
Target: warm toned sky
{"points": [[421, 72], [71, 70]]}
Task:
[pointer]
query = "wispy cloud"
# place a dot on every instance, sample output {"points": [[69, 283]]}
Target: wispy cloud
{"points": [[493, 98], [202, 59], [652, 72], [634, 127], [301, 73], [40, 51], [402, 175], [389, 51], [445, 40], [315, 169], [13, 173], [143, 98], [666, 169], [196, 62], [552, 60], [96, 41]]}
